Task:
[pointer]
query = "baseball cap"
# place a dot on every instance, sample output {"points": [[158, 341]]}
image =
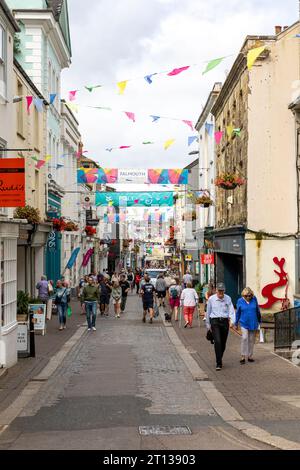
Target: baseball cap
{"points": [[220, 286]]}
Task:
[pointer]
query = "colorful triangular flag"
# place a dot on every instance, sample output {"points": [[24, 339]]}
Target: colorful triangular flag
{"points": [[148, 78], [168, 143], [154, 118], [177, 71], [237, 132], [192, 139], [229, 130], [188, 123], [40, 164], [72, 95], [52, 97], [122, 86], [38, 103], [218, 136], [91, 88], [209, 128], [29, 100], [253, 55], [130, 115], [212, 64]]}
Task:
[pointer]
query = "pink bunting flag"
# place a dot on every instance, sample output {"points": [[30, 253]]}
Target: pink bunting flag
{"points": [[177, 71], [218, 136], [80, 153], [72, 95], [40, 163], [130, 115], [188, 123], [125, 147], [29, 100]]}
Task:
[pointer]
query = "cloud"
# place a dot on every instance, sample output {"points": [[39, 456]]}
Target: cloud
{"points": [[131, 38]]}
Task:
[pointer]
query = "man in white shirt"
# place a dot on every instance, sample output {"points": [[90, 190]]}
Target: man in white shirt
{"points": [[219, 312], [187, 279]]}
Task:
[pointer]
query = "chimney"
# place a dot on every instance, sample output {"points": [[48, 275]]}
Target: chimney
{"points": [[278, 29], [285, 27]]}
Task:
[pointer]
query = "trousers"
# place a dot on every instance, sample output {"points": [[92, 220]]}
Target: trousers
{"points": [[247, 344], [220, 330]]}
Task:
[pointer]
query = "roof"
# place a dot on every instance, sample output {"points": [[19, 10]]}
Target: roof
{"points": [[9, 16], [56, 7]]}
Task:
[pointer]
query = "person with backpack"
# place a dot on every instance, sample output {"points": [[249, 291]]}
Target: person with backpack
{"points": [[174, 296], [161, 289], [62, 298]]}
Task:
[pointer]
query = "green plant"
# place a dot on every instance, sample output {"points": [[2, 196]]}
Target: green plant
{"points": [[29, 213], [17, 44], [33, 300], [22, 303]]}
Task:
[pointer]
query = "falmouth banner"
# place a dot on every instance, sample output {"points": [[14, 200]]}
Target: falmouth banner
{"points": [[12, 182], [136, 176], [141, 199]]}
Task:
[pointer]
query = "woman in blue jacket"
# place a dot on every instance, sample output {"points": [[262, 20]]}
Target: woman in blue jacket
{"points": [[249, 317]]}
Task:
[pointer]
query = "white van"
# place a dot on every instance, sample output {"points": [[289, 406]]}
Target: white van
{"points": [[154, 273]]}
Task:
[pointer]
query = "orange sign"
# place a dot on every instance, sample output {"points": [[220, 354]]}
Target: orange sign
{"points": [[12, 182], [208, 259]]}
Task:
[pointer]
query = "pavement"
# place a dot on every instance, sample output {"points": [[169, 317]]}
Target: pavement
{"points": [[132, 386]]}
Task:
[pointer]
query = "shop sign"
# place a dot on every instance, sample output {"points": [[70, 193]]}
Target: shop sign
{"points": [[188, 258], [39, 317], [208, 259], [22, 337], [12, 182]]}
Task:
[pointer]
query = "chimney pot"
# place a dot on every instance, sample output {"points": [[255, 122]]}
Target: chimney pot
{"points": [[278, 29]]}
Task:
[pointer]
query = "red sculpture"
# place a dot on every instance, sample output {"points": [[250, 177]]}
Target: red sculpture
{"points": [[282, 281]]}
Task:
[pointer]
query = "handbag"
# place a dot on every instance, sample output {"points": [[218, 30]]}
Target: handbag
{"points": [[58, 298], [69, 312], [210, 337]]}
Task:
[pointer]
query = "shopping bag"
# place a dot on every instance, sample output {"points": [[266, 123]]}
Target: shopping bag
{"points": [[69, 311]]}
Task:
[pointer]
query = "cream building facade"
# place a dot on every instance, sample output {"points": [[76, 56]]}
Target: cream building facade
{"points": [[257, 223]]}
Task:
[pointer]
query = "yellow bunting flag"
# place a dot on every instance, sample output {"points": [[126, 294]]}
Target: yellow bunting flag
{"points": [[168, 143], [229, 130], [122, 86], [48, 157], [253, 54], [73, 107]]}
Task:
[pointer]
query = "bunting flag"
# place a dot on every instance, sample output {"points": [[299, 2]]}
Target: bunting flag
{"points": [[122, 86], [212, 64], [59, 166], [52, 97], [135, 199], [168, 143], [178, 71], [253, 54], [148, 78], [109, 150], [130, 115], [38, 103], [123, 147], [40, 164], [135, 176], [192, 139], [73, 107], [209, 128], [35, 159], [237, 132], [72, 95], [148, 143], [154, 118], [218, 136], [188, 123], [48, 157], [29, 100], [87, 257], [91, 88], [229, 130], [73, 258]]}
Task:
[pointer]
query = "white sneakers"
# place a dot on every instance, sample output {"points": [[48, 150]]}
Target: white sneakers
{"points": [[94, 329]]}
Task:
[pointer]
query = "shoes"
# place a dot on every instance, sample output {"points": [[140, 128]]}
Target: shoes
{"points": [[186, 325], [150, 321], [61, 328], [243, 361], [144, 319], [94, 329], [250, 359], [65, 327], [218, 367], [118, 316], [89, 329]]}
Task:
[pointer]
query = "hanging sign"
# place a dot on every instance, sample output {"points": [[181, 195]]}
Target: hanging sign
{"points": [[114, 175], [12, 182], [141, 199], [208, 259]]}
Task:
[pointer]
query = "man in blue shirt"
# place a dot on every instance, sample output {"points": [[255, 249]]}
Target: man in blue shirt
{"points": [[219, 312]]}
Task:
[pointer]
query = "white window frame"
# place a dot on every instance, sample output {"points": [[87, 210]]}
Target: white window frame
{"points": [[3, 56], [8, 282]]}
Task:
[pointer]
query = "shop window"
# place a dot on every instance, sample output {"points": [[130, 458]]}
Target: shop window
{"points": [[8, 281]]}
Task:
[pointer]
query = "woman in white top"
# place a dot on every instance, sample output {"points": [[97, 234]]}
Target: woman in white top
{"points": [[189, 299]]}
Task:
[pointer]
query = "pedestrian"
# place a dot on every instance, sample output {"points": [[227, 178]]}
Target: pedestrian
{"points": [[82, 283], [105, 292], [116, 294], [189, 299], [219, 312], [148, 297], [208, 291], [115, 277], [137, 280], [90, 297], [62, 295], [130, 279], [43, 290], [161, 289], [249, 317], [125, 286], [187, 279], [174, 296]]}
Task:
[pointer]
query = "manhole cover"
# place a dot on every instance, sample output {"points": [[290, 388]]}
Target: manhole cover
{"points": [[164, 430]]}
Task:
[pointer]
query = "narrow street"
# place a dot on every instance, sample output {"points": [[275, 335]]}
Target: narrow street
{"points": [[123, 376]]}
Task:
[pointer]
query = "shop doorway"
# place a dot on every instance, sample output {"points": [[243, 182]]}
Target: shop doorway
{"points": [[230, 271]]}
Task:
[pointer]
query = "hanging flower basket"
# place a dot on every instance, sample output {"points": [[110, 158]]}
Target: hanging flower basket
{"points": [[59, 224], [29, 213], [71, 227], [90, 231], [229, 181], [189, 216], [204, 201]]}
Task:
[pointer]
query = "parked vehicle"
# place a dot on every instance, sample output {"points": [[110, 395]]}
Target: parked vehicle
{"points": [[154, 273]]}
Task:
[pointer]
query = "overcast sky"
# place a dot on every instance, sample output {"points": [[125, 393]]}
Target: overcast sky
{"points": [[121, 39]]}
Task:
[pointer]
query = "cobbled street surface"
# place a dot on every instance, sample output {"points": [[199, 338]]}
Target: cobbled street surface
{"points": [[125, 375]]}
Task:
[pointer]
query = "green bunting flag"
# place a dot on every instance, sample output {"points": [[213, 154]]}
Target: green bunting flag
{"points": [[212, 64]]}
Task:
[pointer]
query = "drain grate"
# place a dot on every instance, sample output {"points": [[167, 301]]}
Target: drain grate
{"points": [[164, 430]]}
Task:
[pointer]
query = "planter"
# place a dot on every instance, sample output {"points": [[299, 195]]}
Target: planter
{"points": [[205, 205], [226, 186]]}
